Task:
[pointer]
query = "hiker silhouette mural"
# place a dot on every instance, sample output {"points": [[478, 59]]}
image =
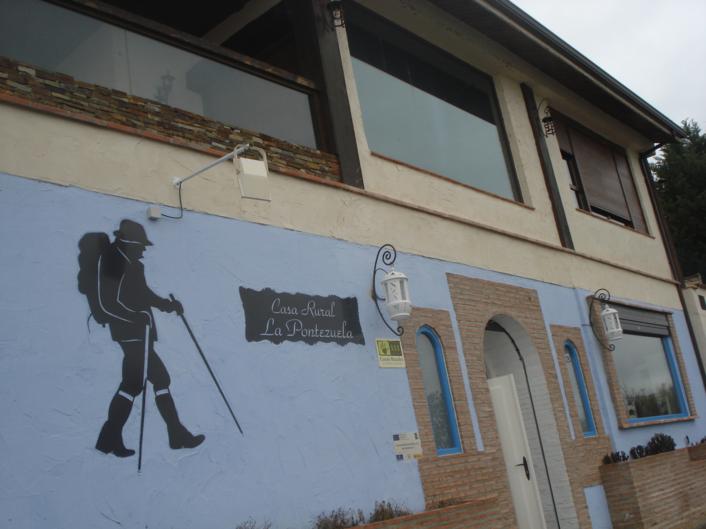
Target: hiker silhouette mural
{"points": [[112, 278]]}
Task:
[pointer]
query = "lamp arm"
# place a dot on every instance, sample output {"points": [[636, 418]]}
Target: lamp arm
{"points": [[239, 149], [604, 296], [389, 255]]}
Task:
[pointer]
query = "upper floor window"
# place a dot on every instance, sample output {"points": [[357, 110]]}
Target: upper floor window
{"points": [[579, 390], [261, 99], [438, 393], [600, 174], [646, 366], [423, 107]]}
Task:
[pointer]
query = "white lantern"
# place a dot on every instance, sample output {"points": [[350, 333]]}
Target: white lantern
{"points": [[399, 306], [611, 324]]}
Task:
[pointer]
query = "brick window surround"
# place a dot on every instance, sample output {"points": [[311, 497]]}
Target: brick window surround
{"points": [[583, 455], [455, 478], [616, 392], [476, 302]]}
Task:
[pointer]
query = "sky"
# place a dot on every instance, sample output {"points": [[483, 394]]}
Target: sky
{"points": [[656, 49]]}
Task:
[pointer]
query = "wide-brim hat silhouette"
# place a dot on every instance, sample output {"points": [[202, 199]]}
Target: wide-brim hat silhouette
{"points": [[132, 232]]}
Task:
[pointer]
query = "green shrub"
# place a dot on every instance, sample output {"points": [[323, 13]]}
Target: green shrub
{"points": [[659, 443], [385, 510], [339, 519]]}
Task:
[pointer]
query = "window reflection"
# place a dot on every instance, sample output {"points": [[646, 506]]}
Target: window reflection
{"points": [[435, 380], [95, 52], [645, 376], [423, 114], [579, 390]]}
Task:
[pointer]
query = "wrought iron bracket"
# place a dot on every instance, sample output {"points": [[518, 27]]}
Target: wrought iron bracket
{"points": [[602, 296], [389, 255]]}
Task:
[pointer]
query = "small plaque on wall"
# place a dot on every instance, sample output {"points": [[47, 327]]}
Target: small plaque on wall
{"points": [[281, 316], [389, 353], [407, 446]]}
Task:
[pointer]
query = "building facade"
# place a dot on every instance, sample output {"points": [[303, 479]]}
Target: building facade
{"points": [[418, 124]]}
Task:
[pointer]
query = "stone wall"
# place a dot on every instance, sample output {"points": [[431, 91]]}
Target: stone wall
{"points": [[63, 95]]}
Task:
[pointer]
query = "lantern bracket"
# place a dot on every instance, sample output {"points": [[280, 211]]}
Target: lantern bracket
{"points": [[603, 297], [389, 255]]}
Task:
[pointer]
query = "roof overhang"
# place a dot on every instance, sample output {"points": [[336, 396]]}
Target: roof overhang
{"points": [[512, 28]]}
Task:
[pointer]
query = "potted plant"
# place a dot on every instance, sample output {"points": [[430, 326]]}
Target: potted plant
{"points": [[698, 451]]}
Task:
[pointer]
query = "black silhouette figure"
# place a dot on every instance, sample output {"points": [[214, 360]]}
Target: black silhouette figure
{"points": [[113, 279]]}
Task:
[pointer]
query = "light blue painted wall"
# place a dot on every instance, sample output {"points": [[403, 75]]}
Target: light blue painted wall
{"points": [[598, 507], [318, 419]]}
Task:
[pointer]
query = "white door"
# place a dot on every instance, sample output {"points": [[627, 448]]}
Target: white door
{"points": [[513, 439]]}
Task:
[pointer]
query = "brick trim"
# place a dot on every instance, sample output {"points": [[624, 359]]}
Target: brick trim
{"points": [[476, 302], [561, 334], [682, 368], [466, 477], [583, 455], [616, 392]]}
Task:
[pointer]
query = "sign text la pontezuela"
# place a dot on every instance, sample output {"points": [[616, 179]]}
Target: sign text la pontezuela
{"points": [[281, 316]]}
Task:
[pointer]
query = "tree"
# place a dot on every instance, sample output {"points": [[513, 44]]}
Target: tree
{"points": [[680, 179]]}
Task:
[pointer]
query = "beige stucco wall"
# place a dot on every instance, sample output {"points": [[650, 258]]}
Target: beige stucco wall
{"points": [[592, 235], [41, 146]]}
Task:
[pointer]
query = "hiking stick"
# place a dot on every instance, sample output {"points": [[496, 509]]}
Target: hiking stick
{"points": [[144, 394], [213, 376]]}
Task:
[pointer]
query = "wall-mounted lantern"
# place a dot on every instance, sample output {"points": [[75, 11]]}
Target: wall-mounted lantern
{"points": [[548, 123], [335, 9], [396, 288], [609, 317], [252, 176]]}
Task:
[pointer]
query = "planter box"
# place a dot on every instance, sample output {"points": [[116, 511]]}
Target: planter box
{"points": [[663, 490], [698, 452]]}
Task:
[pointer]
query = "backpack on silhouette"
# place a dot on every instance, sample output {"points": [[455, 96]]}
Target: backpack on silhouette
{"points": [[91, 247]]}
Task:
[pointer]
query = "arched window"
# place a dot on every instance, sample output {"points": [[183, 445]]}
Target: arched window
{"points": [[578, 388], [438, 393]]}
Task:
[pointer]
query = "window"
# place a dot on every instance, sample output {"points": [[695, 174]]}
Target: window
{"points": [[438, 393], [600, 174], [262, 99], [425, 108], [579, 390], [646, 367]]}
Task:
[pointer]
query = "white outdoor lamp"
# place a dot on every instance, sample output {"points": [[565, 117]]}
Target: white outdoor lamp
{"points": [[252, 176], [396, 288], [397, 301], [611, 323], [609, 317]]}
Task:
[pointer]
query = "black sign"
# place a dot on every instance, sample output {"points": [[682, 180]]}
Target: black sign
{"points": [[280, 316]]}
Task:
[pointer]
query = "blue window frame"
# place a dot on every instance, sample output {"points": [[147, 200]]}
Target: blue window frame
{"points": [[649, 378], [580, 391], [438, 392]]}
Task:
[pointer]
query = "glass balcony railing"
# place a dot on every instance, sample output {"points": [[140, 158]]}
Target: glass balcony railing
{"points": [[93, 51]]}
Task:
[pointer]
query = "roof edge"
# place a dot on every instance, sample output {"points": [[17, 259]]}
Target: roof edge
{"points": [[565, 50]]}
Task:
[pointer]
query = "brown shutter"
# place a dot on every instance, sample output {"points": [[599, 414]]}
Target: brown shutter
{"points": [[599, 175], [642, 321], [562, 135], [633, 203]]}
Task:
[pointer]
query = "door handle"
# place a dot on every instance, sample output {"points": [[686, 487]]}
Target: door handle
{"points": [[524, 464]]}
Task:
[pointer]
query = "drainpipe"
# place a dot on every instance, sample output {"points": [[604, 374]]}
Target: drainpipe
{"points": [[671, 252]]}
